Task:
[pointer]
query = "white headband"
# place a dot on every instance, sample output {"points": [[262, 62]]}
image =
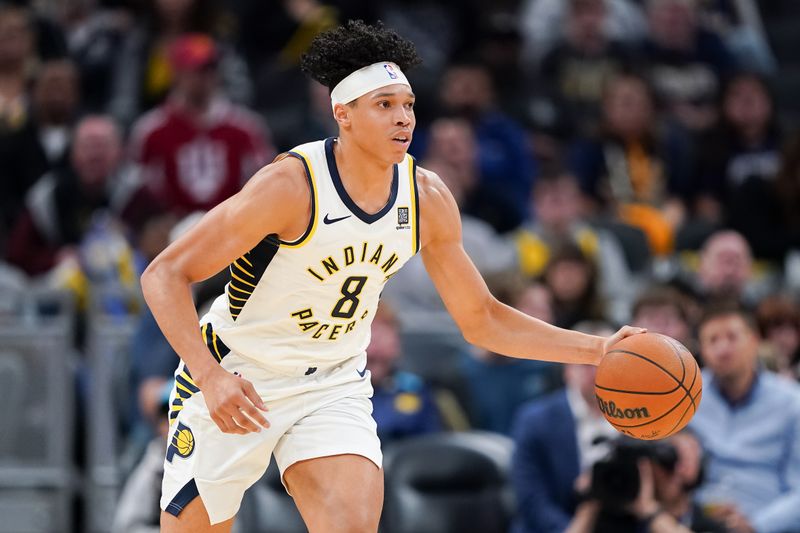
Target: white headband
{"points": [[367, 79]]}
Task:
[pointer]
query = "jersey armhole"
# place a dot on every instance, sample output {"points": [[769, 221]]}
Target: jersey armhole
{"points": [[415, 201], [312, 223]]}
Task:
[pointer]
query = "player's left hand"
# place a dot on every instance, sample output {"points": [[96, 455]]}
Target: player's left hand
{"points": [[624, 331]]}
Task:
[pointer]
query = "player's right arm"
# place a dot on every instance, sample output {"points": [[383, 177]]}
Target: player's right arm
{"points": [[275, 201]]}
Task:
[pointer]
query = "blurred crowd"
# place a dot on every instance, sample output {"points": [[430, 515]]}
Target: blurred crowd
{"points": [[615, 161]]}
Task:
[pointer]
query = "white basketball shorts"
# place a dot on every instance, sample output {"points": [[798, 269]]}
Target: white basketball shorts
{"points": [[312, 413]]}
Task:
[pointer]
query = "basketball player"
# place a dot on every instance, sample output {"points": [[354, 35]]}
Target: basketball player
{"points": [[278, 363]]}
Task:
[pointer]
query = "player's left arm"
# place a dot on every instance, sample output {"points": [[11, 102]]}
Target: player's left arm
{"points": [[482, 319]]}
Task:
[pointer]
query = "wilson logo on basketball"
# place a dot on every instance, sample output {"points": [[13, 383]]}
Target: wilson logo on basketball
{"points": [[610, 409]]}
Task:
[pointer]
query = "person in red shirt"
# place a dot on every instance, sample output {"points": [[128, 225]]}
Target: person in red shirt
{"points": [[198, 148]]}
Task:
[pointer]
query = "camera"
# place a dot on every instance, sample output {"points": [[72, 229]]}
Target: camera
{"points": [[615, 478]]}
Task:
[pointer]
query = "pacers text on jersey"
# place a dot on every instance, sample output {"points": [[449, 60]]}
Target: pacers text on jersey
{"points": [[351, 255], [346, 307]]}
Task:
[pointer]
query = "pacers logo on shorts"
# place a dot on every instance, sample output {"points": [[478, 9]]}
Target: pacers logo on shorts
{"points": [[182, 443]]}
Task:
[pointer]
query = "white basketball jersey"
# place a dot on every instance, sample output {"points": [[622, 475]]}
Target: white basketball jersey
{"points": [[311, 302]]}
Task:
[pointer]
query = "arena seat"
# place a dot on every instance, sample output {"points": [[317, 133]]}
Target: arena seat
{"points": [[448, 482], [107, 344], [37, 476], [267, 507]]}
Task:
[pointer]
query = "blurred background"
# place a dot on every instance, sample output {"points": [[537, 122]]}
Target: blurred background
{"points": [[615, 161]]}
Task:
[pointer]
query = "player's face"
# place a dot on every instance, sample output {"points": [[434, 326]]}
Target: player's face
{"points": [[382, 122], [728, 346]]}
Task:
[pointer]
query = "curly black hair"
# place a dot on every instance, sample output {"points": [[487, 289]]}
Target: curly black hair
{"points": [[335, 54]]}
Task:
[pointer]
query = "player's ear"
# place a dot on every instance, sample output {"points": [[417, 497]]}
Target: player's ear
{"points": [[341, 113]]}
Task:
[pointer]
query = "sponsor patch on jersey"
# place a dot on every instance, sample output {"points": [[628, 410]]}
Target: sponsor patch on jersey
{"points": [[402, 216]]}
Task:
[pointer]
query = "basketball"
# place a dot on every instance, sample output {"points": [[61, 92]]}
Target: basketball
{"points": [[648, 386]]}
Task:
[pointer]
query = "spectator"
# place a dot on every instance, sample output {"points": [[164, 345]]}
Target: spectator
{"points": [[314, 120], [585, 59], [778, 319], [95, 36], [556, 438], [662, 309], [452, 155], [572, 278], [403, 405], [49, 41], [41, 141], [452, 143], [137, 510], [499, 47], [685, 61], [59, 209], [738, 164], [273, 36], [559, 220], [787, 192], [676, 483], [739, 23], [726, 269], [543, 24], [669, 472], [453, 148], [144, 71], [506, 167], [443, 31], [17, 58], [636, 168], [749, 424], [279, 33], [499, 385], [56, 100], [197, 149]]}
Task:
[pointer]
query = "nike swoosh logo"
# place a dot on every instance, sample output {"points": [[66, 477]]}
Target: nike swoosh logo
{"points": [[362, 373], [332, 220]]}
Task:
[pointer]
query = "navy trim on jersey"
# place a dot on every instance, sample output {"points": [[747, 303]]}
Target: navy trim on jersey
{"points": [[416, 200], [181, 500], [313, 202], [244, 277], [351, 205]]}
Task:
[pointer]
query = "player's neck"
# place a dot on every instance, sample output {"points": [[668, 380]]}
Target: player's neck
{"points": [[366, 178]]}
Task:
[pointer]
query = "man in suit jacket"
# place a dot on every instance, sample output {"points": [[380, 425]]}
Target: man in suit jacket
{"points": [[557, 438]]}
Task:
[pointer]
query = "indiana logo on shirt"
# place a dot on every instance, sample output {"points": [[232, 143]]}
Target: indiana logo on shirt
{"points": [[390, 70]]}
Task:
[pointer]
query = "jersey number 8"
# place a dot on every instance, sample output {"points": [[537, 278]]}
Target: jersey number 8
{"points": [[347, 305]]}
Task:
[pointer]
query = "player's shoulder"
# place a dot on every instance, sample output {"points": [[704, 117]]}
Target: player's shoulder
{"points": [[285, 176], [433, 193], [438, 210]]}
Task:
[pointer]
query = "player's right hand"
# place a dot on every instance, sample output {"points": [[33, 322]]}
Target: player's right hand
{"points": [[233, 403]]}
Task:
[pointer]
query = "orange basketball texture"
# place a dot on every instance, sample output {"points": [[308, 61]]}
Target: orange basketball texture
{"points": [[648, 386]]}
